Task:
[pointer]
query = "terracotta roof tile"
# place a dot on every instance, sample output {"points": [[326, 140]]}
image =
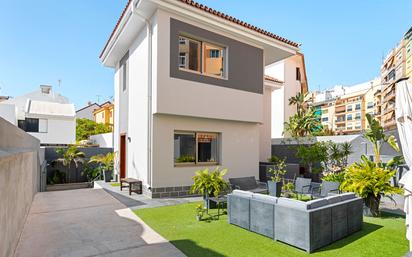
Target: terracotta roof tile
{"points": [[216, 13], [272, 79]]}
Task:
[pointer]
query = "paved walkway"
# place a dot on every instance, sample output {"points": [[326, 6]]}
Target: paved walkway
{"points": [[87, 222]]}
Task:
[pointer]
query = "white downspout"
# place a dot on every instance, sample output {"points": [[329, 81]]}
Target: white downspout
{"points": [[135, 7]]}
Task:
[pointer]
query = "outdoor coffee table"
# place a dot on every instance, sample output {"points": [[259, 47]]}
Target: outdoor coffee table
{"points": [[220, 200], [134, 185]]}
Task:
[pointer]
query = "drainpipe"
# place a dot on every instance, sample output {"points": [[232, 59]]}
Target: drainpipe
{"points": [[135, 8]]}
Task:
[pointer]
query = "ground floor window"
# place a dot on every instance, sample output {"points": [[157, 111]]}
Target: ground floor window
{"points": [[196, 148], [33, 125]]}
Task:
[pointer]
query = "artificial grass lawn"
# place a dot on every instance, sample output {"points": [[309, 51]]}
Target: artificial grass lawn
{"points": [[115, 184], [383, 236]]}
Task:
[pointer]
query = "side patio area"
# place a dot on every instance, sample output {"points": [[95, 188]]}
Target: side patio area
{"points": [[87, 222]]}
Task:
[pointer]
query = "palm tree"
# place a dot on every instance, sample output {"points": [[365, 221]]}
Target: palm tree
{"points": [[299, 101], [106, 162], [377, 137], [69, 156]]}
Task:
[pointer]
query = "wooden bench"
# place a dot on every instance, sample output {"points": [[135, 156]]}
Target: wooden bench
{"points": [[134, 185]]}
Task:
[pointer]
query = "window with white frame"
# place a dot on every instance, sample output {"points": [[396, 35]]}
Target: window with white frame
{"points": [[124, 71], [196, 148], [202, 57]]}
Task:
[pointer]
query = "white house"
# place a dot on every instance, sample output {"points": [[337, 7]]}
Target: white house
{"points": [[86, 112], [190, 92], [46, 115]]}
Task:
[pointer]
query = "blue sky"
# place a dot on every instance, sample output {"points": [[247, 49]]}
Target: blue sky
{"points": [[44, 41]]}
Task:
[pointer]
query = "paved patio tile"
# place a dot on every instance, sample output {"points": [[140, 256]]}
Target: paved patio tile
{"points": [[87, 222]]}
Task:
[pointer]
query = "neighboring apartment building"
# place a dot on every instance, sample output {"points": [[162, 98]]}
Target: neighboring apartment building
{"points": [[190, 92], [86, 112], [105, 113], [396, 66], [408, 47], [44, 114], [345, 111]]}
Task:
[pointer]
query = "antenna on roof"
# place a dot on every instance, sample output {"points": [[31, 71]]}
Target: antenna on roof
{"points": [[98, 98], [59, 81]]}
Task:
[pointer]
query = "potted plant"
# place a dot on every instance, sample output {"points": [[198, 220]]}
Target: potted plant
{"points": [[209, 183], [277, 172], [106, 164], [369, 181], [313, 156], [91, 173], [288, 189], [200, 211]]}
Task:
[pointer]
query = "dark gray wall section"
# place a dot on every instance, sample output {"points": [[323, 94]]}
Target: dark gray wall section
{"points": [[245, 62]]}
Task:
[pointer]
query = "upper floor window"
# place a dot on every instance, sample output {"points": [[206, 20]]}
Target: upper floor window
{"points": [[325, 119], [124, 71], [370, 105], [349, 117], [349, 108], [298, 76], [358, 116], [33, 125], [201, 57], [357, 107]]}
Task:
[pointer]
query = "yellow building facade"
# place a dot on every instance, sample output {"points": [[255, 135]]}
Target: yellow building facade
{"points": [[104, 114]]}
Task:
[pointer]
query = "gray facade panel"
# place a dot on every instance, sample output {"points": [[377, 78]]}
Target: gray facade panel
{"points": [[244, 67]]}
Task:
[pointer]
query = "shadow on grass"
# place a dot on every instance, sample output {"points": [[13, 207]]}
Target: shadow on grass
{"points": [[127, 201], [367, 228], [191, 249]]}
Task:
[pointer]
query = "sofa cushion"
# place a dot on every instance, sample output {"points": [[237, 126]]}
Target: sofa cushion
{"points": [[245, 183], [265, 198], [292, 203], [333, 199], [313, 204], [347, 196], [242, 193]]}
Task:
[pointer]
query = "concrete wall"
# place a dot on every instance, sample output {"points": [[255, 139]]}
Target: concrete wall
{"points": [[8, 112], [19, 182], [103, 140]]}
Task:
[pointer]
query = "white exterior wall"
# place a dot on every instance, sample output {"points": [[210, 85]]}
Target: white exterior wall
{"points": [[59, 131], [9, 113], [265, 132], [103, 140], [281, 110], [239, 148]]}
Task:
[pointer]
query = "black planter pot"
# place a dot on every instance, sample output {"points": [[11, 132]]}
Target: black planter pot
{"points": [[209, 204], [275, 188], [107, 175]]}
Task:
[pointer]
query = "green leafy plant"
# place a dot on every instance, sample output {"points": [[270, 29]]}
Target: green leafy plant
{"points": [[69, 156], [57, 177], [375, 134], [105, 161], [86, 128], [200, 211], [209, 183], [91, 173], [310, 155], [288, 187], [369, 181], [185, 158], [279, 169], [305, 122], [334, 176]]}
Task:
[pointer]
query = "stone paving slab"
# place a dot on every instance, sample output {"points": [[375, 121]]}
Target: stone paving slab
{"points": [[85, 223]]}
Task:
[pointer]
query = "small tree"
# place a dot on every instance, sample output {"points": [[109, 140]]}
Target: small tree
{"points": [[312, 154], [279, 169], [86, 128], [69, 156], [375, 134]]}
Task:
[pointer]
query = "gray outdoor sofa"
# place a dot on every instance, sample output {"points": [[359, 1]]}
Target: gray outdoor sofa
{"points": [[306, 225], [248, 184]]}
